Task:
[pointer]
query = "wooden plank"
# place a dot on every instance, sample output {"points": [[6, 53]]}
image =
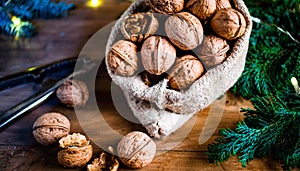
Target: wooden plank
{"points": [[59, 39], [44, 158]]}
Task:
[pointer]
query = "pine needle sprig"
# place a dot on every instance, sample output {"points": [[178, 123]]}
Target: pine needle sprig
{"points": [[268, 128], [8, 27], [272, 56], [34, 9], [293, 157], [15, 15], [272, 127], [289, 154]]}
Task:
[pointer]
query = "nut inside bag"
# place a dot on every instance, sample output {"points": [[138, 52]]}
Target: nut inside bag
{"points": [[174, 59]]}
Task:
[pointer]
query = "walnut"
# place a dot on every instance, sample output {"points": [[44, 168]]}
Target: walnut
{"points": [[76, 151], [106, 161], [203, 9], [187, 69], [184, 30], [73, 93], [223, 4], [137, 27], [50, 127], [122, 58], [157, 55], [228, 23], [212, 51], [136, 150], [167, 6]]}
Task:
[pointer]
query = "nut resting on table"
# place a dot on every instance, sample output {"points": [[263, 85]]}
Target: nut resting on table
{"points": [[50, 127], [73, 93], [76, 151], [136, 150]]}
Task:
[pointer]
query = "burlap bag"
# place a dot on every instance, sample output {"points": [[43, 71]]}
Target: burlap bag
{"points": [[148, 103]]}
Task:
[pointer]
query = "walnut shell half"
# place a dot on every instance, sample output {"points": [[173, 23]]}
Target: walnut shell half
{"points": [[106, 161], [76, 151], [137, 27]]}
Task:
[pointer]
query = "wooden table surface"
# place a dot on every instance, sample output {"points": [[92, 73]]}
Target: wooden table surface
{"points": [[59, 39]]}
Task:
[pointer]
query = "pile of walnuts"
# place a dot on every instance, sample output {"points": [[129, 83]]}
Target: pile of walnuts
{"points": [[135, 150], [176, 39]]}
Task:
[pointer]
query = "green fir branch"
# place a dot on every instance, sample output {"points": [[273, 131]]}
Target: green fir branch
{"points": [[24, 29], [272, 128], [273, 58], [38, 9], [26, 10]]}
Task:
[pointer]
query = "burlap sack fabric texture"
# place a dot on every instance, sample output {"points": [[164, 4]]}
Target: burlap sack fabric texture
{"points": [[149, 104]]}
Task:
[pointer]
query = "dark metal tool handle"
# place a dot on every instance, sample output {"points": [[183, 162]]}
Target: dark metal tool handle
{"points": [[36, 74], [30, 103], [33, 101], [23, 107]]}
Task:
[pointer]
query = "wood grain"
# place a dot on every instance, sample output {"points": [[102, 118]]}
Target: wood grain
{"points": [[59, 39]]}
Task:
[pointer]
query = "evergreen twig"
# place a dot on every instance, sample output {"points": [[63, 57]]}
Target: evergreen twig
{"points": [[26, 10], [272, 56], [24, 29], [37, 8], [272, 128]]}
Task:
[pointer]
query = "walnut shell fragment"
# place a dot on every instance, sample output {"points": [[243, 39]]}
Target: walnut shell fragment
{"points": [[137, 27], [212, 51], [184, 30], [228, 23], [167, 6], [157, 55], [122, 58], [106, 161], [136, 150], [203, 9], [187, 69], [50, 127], [76, 151], [73, 93]]}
